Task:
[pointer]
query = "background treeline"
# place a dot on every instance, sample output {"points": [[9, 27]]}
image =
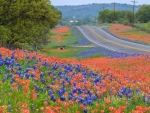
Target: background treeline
{"points": [[125, 17], [115, 16], [25, 23], [91, 10], [86, 14]]}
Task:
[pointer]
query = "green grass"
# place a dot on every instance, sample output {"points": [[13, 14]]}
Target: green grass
{"points": [[69, 40], [70, 53], [143, 26], [137, 31], [105, 24]]}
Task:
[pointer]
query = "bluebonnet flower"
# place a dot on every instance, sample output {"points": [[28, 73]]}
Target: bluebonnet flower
{"points": [[70, 97], [44, 64], [62, 98], [89, 102], [42, 80], [32, 107], [41, 76], [125, 92], [53, 83], [32, 75], [137, 91], [12, 80], [1, 62], [34, 67], [85, 111], [8, 101], [53, 98], [27, 76], [37, 88]]}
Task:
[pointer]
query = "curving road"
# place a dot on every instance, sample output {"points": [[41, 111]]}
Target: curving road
{"points": [[101, 38]]}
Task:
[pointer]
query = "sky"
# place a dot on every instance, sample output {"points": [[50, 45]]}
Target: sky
{"points": [[81, 2]]}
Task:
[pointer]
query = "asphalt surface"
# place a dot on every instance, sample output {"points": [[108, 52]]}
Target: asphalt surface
{"points": [[101, 38]]}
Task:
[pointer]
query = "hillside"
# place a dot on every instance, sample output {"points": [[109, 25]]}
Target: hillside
{"points": [[90, 10]]}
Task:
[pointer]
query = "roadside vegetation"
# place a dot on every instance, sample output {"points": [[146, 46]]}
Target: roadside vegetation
{"points": [[59, 71], [143, 26], [120, 24], [125, 17], [61, 43], [129, 33]]}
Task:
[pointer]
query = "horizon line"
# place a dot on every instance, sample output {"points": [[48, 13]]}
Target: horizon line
{"points": [[101, 3]]}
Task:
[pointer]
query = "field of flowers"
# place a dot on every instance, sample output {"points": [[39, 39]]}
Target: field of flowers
{"points": [[130, 33], [36, 83], [111, 82]]}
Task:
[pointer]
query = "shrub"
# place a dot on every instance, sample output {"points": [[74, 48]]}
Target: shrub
{"points": [[126, 22]]}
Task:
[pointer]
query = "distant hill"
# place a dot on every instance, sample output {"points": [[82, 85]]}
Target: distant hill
{"points": [[91, 10]]}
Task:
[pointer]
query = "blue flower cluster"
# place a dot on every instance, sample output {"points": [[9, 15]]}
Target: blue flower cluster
{"points": [[66, 80], [7, 61], [100, 51]]}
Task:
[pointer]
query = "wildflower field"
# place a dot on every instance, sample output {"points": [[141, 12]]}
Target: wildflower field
{"points": [[130, 33], [114, 82]]}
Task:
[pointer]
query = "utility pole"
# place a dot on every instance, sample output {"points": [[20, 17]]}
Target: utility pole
{"points": [[103, 7], [114, 6], [133, 10], [114, 11]]}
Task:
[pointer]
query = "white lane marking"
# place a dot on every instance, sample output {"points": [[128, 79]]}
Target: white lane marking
{"points": [[92, 40]]}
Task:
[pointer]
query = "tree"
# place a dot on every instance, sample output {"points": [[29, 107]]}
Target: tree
{"points": [[5, 34], [28, 21], [109, 16], [128, 16], [103, 15], [143, 14]]}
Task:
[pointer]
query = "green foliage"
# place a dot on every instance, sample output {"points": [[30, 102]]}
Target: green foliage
{"points": [[27, 21], [109, 16], [126, 22], [5, 35], [143, 14], [143, 26], [103, 16], [128, 16]]}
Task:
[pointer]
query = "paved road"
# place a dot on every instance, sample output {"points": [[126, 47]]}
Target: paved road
{"points": [[101, 38]]}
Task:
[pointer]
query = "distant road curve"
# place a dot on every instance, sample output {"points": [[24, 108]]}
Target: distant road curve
{"points": [[101, 38]]}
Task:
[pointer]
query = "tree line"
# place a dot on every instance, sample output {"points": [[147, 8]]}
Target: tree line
{"points": [[25, 23], [125, 17]]}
